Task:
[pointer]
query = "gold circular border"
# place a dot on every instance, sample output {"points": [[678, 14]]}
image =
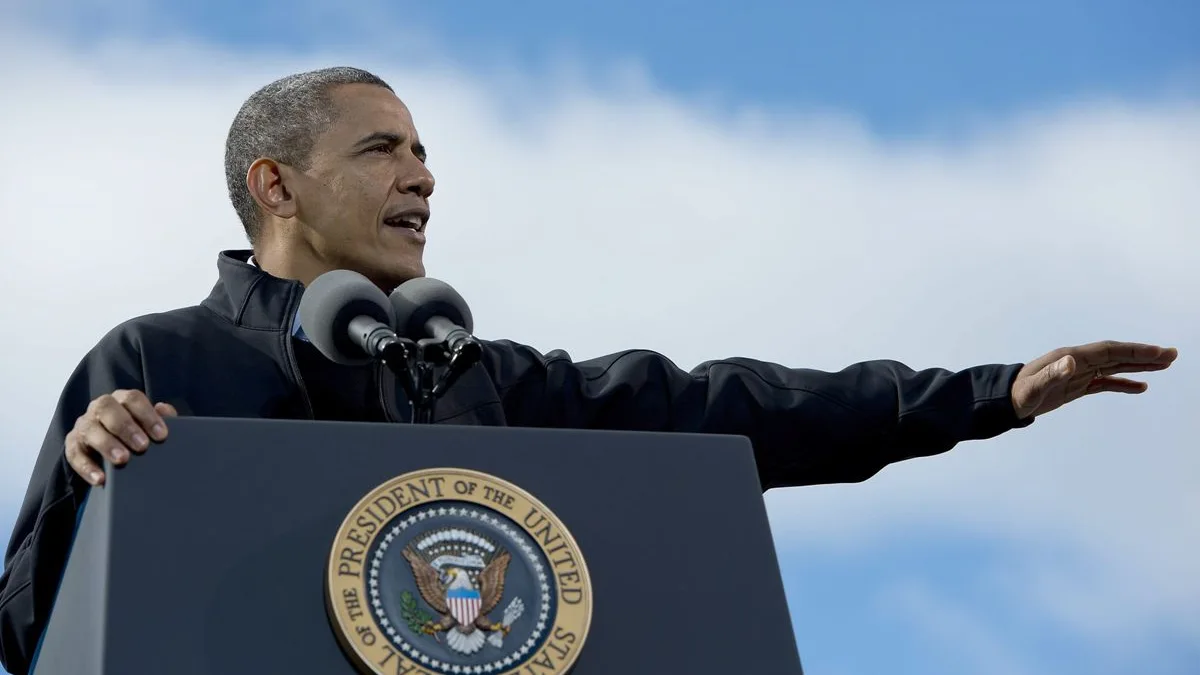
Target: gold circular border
{"points": [[347, 599]]}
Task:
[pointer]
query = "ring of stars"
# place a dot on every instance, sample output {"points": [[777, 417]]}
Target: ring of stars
{"points": [[515, 536]]}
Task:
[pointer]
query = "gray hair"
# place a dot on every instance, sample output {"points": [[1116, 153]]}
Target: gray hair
{"points": [[282, 121]]}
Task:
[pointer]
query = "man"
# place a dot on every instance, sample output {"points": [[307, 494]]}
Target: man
{"points": [[326, 171]]}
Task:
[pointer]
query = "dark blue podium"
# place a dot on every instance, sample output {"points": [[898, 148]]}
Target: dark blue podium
{"points": [[210, 553]]}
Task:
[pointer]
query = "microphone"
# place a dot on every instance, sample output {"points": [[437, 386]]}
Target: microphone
{"points": [[426, 308], [349, 320]]}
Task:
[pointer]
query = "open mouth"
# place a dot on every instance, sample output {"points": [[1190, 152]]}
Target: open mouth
{"points": [[413, 220]]}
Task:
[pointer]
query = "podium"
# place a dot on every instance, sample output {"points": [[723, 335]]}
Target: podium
{"points": [[226, 549]]}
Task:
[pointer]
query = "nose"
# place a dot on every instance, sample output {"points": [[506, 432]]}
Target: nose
{"points": [[416, 180]]}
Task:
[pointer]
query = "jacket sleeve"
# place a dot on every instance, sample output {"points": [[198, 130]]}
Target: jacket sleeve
{"points": [[41, 540], [806, 426]]}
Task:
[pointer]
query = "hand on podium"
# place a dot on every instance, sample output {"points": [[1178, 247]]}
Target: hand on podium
{"points": [[115, 426]]}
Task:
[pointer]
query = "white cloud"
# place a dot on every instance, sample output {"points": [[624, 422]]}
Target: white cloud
{"points": [[646, 222]]}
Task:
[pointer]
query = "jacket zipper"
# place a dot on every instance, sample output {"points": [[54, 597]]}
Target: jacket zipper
{"points": [[290, 352]]}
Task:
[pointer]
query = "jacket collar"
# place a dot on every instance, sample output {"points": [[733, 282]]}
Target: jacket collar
{"points": [[250, 298]]}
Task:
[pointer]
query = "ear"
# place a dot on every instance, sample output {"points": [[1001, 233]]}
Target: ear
{"points": [[267, 182]]}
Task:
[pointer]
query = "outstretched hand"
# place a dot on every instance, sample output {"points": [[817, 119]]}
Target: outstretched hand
{"points": [[1069, 373]]}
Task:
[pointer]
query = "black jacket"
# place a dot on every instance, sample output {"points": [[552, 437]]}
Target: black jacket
{"points": [[233, 356]]}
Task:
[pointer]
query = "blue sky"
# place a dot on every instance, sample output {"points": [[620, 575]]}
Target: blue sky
{"points": [[919, 67], [930, 597]]}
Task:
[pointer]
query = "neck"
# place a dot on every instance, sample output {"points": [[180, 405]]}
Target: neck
{"points": [[285, 262], [297, 263]]}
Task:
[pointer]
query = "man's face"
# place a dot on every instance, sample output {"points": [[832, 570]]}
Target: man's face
{"points": [[364, 202]]}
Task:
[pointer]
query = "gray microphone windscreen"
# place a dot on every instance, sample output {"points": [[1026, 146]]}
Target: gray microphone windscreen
{"points": [[330, 302], [416, 301]]}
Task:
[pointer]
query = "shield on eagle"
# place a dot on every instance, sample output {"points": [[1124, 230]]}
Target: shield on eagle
{"points": [[464, 604]]}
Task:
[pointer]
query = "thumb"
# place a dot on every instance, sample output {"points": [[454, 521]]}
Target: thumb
{"points": [[1029, 394], [1059, 371]]}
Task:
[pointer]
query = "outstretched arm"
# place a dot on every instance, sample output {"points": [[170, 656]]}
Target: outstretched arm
{"points": [[809, 426], [806, 426]]}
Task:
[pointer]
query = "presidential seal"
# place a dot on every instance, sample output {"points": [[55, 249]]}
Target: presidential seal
{"points": [[456, 572]]}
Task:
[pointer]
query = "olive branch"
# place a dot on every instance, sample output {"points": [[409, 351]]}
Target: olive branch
{"points": [[411, 612]]}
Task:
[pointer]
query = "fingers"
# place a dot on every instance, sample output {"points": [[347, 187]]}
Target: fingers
{"points": [[95, 437], [1106, 370], [81, 460], [144, 417], [1112, 353], [1118, 385], [108, 428], [114, 427]]}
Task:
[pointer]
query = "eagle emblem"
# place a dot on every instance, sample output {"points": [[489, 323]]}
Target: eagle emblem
{"points": [[461, 576], [449, 584]]}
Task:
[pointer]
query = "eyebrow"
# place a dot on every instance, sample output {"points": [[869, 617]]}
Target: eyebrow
{"points": [[391, 139]]}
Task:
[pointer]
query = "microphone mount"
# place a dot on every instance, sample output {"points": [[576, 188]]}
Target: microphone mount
{"points": [[416, 365]]}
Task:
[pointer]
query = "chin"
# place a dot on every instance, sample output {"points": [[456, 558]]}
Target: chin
{"points": [[387, 268], [389, 279]]}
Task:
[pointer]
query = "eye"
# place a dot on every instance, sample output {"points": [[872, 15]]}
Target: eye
{"points": [[384, 148]]}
